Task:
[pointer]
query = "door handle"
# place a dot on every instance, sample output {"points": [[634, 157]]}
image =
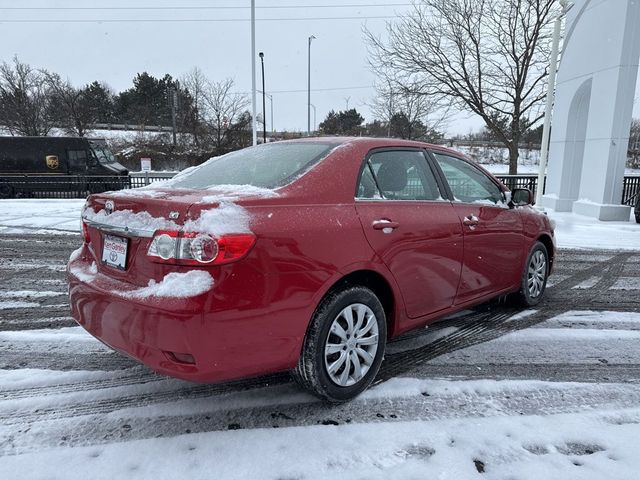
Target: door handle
{"points": [[471, 220], [385, 225]]}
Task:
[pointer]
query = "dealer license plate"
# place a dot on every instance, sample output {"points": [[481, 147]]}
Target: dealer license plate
{"points": [[114, 251]]}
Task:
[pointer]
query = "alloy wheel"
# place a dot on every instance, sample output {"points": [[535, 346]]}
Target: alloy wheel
{"points": [[351, 345], [537, 274]]}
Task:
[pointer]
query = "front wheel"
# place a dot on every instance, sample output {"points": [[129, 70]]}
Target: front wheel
{"points": [[534, 276], [344, 345]]}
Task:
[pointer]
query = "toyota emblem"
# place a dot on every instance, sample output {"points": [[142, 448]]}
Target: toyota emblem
{"points": [[109, 207]]}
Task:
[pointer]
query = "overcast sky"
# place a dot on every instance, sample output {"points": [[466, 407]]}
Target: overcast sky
{"points": [[123, 38]]}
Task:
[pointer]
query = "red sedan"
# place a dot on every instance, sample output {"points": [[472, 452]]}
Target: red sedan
{"points": [[304, 255]]}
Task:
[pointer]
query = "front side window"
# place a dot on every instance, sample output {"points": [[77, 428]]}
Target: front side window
{"points": [[267, 166], [398, 175], [467, 183]]}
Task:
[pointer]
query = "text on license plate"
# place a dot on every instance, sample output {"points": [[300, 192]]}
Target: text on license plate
{"points": [[114, 251]]}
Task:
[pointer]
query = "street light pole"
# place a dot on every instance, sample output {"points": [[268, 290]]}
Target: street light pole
{"points": [[264, 105], [314, 116], [312, 37], [253, 72]]}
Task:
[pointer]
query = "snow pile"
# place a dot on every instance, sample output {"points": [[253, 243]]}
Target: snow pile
{"points": [[175, 285], [227, 218], [126, 218]]}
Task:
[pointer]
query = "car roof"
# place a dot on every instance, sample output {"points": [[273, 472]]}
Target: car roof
{"points": [[375, 142]]}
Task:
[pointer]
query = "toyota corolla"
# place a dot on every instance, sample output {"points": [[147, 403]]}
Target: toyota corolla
{"points": [[304, 255]]}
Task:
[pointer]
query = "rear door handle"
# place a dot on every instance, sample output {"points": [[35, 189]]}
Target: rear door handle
{"points": [[386, 225]]}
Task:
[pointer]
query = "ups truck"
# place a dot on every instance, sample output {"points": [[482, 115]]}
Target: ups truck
{"points": [[58, 164]]}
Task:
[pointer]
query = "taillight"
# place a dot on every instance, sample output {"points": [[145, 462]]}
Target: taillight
{"points": [[188, 248], [85, 232]]}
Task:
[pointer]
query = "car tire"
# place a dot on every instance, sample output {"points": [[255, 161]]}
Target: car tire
{"points": [[344, 345], [637, 217], [534, 276]]}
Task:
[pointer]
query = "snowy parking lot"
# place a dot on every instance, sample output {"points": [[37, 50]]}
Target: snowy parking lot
{"points": [[494, 393]]}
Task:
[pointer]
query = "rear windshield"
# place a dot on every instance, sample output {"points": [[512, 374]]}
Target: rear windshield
{"points": [[267, 166]]}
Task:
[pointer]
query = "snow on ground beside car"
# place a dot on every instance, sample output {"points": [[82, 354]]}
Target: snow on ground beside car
{"points": [[50, 216], [444, 428], [579, 231], [569, 446]]}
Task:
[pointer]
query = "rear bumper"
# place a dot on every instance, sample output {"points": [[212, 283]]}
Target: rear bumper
{"points": [[224, 345]]}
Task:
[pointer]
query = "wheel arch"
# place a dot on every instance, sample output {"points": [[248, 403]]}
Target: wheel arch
{"points": [[548, 243], [378, 284]]}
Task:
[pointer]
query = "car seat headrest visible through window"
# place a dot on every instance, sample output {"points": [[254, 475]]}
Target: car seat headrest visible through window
{"points": [[392, 175]]}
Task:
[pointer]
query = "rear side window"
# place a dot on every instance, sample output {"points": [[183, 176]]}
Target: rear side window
{"points": [[467, 183], [398, 175], [267, 166]]}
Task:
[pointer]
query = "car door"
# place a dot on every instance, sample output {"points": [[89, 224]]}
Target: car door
{"points": [[493, 236], [409, 225]]}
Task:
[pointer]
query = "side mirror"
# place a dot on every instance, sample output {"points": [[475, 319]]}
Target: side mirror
{"points": [[521, 197]]}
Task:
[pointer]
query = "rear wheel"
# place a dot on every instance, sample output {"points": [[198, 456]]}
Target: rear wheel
{"points": [[534, 276], [344, 345]]}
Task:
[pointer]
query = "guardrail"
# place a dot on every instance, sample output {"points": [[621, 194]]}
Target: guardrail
{"points": [[80, 186]]}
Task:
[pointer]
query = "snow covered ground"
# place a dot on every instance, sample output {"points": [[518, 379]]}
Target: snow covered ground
{"points": [[98, 424], [551, 393]]}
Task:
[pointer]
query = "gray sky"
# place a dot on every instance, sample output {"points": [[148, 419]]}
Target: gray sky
{"points": [[113, 52]]}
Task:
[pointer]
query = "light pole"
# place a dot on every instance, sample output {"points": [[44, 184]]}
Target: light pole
{"points": [[253, 72], [314, 116], [264, 107], [551, 85], [270, 97], [312, 37]]}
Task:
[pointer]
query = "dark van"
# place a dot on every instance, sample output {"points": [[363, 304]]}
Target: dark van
{"points": [[57, 164]]}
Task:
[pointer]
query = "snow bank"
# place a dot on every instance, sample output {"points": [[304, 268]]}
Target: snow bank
{"points": [[175, 285]]}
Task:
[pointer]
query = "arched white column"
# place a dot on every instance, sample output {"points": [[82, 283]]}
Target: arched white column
{"points": [[592, 113]]}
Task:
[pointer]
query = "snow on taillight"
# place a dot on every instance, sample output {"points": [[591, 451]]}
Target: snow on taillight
{"points": [[189, 248]]}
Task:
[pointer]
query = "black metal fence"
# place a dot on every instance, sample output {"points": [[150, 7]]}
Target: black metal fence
{"points": [[80, 186]]}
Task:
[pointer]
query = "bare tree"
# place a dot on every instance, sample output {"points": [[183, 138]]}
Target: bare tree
{"points": [[25, 100], [394, 100], [224, 109], [197, 84], [486, 56], [71, 109], [633, 155]]}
